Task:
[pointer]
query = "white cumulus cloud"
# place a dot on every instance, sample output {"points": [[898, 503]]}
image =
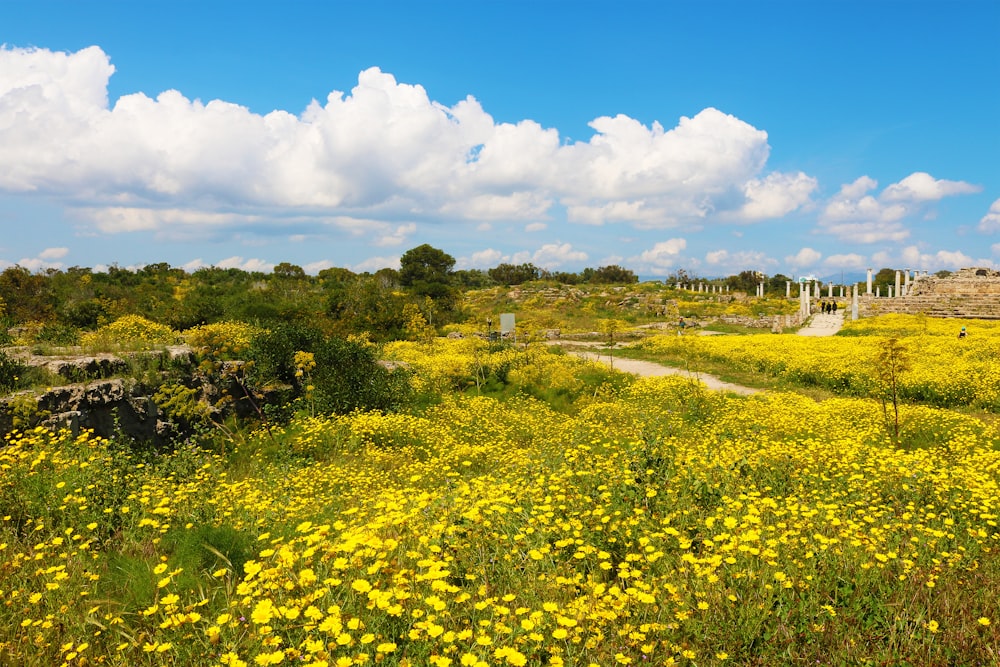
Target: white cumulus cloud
{"points": [[991, 221], [730, 262], [53, 253], [804, 258], [856, 215], [921, 186], [383, 151], [554, 255], [845, 261]]}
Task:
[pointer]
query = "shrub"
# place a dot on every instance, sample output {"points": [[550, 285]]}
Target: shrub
{"points": [[222, 340], [130, 331], [11, 373]]}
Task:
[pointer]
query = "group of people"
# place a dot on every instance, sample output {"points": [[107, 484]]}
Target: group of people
{"points": [[828, 306]]}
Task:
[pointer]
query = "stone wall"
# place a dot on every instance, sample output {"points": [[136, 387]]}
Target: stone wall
{"points": [[106, 406], [115, 405]]}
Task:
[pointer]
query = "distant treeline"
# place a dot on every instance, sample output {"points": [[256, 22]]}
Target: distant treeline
{"points": [[336, 299]]}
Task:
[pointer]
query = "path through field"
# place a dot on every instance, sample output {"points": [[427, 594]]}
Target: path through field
{"points": [[821, 324], [597, 352]]}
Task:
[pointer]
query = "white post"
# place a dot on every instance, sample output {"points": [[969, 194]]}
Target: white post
{"points": [[869, 291], [829, 291], [906, 283], [854, 302], [841, 291], [896, 292], [788, 289]]}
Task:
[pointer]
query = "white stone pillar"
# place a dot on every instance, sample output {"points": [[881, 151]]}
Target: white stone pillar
{"points": [[869, 291], [896, 291], [841, 291], [878, 292], [788, 289], [854, 302], [829, 291], [906, 283]]}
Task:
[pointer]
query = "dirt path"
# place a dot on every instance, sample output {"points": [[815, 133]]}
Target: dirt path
{"points": [[820, 324], [823, 324], [597, 352]]}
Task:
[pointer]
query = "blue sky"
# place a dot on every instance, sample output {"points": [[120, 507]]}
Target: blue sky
{"points": [[800, 137]]}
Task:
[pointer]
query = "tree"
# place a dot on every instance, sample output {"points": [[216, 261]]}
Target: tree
{"points": [[510, 274], [745, 281], [892, 360], [28, 295], [778, 284], [613, 275], [287, 270], [884, 278], [472, 279], [427, 271]]}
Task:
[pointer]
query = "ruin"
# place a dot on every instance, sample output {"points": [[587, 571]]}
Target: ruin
{"points": [[967, 293]]}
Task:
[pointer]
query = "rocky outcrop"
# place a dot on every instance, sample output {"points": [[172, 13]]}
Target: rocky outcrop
{"points": [[105, 406]]}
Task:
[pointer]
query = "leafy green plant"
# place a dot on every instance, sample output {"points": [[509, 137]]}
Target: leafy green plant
{"points": [[12, 373]]}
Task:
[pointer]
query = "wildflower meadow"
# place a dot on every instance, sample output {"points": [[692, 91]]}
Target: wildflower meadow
{"points": [[532, 508]]}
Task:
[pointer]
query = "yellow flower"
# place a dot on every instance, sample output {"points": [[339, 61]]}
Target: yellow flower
{"points": [[263, 612], [273, 658]]}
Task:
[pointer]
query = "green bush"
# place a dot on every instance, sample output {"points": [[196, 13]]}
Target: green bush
{"points": [[349, 377], [12, 373]]}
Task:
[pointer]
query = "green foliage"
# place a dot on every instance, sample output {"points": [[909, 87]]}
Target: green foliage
{"points": [[611, 275], [349, 377], [182, 404], [272, 353], [58, 334], [427, 271], [207, 548], [25, 413], [11, 373], [514, 274]]}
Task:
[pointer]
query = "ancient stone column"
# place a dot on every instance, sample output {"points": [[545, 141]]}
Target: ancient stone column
{"points": [[896, 292], [854, 302], [841, 291], [869, 282], [878, 292], [906, 283], [788, 289], [829, 291]]}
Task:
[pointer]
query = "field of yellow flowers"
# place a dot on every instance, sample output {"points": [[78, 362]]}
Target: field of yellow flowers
{"points": [[941, 369], [645, 521]]}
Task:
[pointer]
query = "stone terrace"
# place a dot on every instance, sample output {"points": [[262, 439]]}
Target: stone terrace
{"points": [[967, 293]]}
